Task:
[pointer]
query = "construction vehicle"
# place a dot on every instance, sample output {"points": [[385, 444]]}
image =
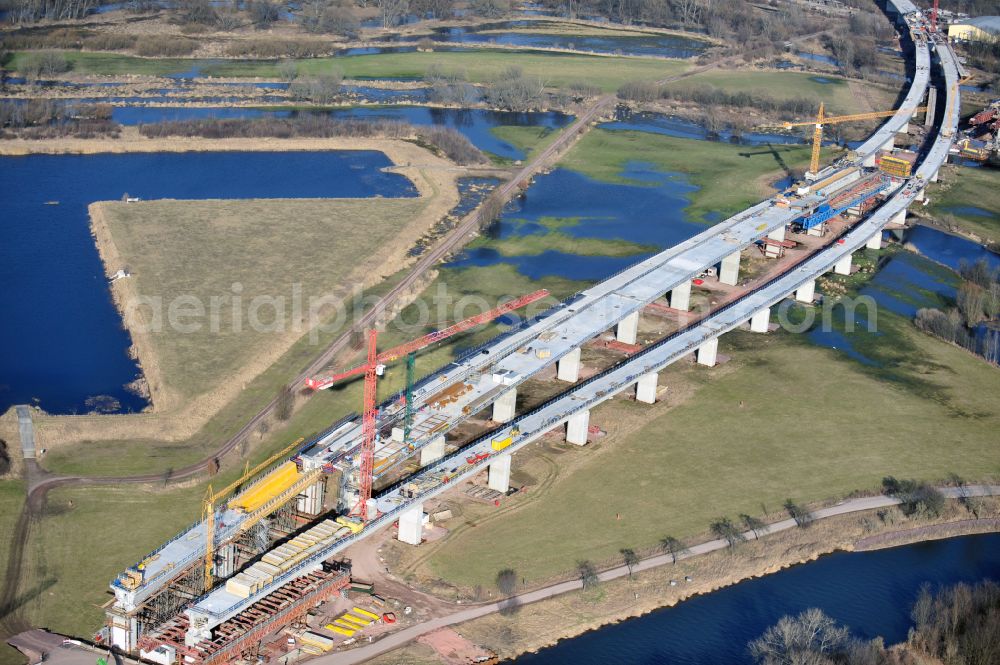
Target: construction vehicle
{"points": [[375, 367], [500, 444], [822, 119]]}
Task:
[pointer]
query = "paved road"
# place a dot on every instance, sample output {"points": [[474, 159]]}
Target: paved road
{"points": [[396, 640], [27, 431]]}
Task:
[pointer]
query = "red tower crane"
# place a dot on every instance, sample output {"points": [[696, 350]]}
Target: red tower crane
{"points": [[373, 367], [934, 16]]}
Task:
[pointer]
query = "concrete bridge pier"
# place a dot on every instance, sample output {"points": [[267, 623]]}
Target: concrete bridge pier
{"points": [[729, 270], [680, 297], [708, 352], [411, 525], [500, 473], [806, 292], [645, 388], [899, 217], [875, 242], [225, 561], [931, 104], [568, 367], [760, 321], [434, 450], [503, 408], [628, 329], [774, 251], [310, 502], [843, 266], [577, 427]]}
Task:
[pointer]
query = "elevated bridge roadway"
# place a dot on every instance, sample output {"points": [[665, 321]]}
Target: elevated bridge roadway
{"points": [[493, 371]]}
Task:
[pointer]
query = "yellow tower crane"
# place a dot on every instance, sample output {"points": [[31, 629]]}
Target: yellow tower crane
{"points": [[822, 119], [208, 506]]}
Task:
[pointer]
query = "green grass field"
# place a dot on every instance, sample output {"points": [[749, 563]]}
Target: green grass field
{"points": [[969, 199], [11, 499], [86, 537], [179, 248], [555, 69], [728, 176], [531, 140], [784, 419], [784, 85]]}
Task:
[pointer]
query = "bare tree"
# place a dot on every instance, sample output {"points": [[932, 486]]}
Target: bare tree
{"points": [[588, 574], [286, 402], [393, 11], [793, 639], [507, 581], [751, 523], [801, 516], [514, 91], [724, 528], [673, 547], [630, 558]]}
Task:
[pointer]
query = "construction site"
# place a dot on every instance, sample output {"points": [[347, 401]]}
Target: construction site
{"points": [[265, 572]]}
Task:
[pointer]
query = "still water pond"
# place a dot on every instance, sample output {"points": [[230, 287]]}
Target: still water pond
{"points": [[475, 124], [512, 33], [62, 338]]}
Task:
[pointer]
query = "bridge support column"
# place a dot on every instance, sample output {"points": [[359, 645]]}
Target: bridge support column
{"points": [[680, 297], [577, 428], [806, 292], [434, 450], [760, 321], [310, 502], [875, 242], [817, 231], [899, 218], [934, 176], [774, 251], [225, 561], [708, 352], [931, 104], [504, 407], [645, 388], [729, 270], [411, 525], [568, 367], [500, 473], [843, 266], [628, 328]]}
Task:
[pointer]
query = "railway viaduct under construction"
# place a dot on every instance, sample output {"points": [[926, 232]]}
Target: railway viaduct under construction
{"points": [[272, 550]]}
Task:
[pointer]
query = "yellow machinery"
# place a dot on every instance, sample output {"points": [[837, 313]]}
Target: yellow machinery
{"points": [[822, 119], [208, 506]]}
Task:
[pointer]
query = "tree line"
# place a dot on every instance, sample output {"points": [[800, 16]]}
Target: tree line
{"points": [[957, 625], [977, 300], [448, 141]]}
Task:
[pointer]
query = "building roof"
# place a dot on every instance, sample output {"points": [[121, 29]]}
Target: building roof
{"points": [[987, 23]]}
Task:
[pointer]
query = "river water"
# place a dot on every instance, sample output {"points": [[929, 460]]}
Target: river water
{"points": [[870, 592]]}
